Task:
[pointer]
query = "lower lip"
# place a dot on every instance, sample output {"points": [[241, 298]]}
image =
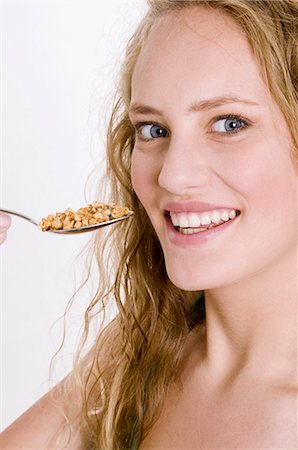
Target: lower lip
{"points": [[201, 237]]}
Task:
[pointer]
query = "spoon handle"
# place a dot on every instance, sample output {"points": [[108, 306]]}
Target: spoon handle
{"points": [[15, 213]]}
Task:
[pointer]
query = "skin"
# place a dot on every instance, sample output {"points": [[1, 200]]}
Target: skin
{"points": [[239, 375], [5, 222]]}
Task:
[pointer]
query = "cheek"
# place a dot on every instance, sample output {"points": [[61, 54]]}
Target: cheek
{"points": [[269, 190], [141, 177], [268, 179]]}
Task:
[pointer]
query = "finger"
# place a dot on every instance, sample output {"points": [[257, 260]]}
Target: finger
{"points": [[5, 222], [3, 236]]}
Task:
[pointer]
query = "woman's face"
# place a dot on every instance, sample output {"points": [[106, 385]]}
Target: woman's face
{"points": [[209, 137]]}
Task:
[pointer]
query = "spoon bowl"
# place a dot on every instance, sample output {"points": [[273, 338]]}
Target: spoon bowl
{"points": [[79, 230]]}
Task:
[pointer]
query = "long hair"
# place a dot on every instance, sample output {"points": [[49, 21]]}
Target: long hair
{"points": [[137, 355]]}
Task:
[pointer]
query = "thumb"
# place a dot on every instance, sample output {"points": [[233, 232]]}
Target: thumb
{"points": [[5, 222]]}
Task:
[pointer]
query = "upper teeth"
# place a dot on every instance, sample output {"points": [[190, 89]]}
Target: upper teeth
{"points": [[193, 219]]}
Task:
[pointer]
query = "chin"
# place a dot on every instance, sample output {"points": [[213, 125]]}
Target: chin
{"points": [[195, 279], [187, 281]]}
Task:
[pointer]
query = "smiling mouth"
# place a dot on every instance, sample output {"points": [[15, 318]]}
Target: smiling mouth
{"points": [[192, 222]]}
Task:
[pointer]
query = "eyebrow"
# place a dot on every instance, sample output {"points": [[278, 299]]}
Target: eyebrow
{"points": [[202, 105]]}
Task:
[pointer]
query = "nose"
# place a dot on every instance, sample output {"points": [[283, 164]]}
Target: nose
{"points": [[184, 168]]}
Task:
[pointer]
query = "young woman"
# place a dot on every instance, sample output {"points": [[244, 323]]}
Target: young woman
{"points": [[203, 146]]}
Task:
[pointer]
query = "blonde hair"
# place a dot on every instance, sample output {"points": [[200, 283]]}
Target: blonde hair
{"points": [[137, 355]]}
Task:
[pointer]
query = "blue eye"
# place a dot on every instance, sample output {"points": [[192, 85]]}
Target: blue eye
{"points": [[151, 131], [228, 124]]}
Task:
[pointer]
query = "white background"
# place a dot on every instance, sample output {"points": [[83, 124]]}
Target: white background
{"points": [[59, 65]]}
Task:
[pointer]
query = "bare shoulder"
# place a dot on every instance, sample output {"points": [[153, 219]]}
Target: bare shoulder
{"points": [[54, 421], [44, 424]]}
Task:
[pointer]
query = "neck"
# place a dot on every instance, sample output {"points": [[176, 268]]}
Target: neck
{"points": [[252, 325]]}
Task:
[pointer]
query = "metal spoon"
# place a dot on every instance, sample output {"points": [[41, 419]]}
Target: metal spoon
{"points": [[69, 230]]}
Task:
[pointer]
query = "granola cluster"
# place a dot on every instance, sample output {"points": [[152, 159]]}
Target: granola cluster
{"points": [[90, 215]]}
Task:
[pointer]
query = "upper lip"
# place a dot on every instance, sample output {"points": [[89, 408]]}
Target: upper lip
{"points": [[193, 206]]}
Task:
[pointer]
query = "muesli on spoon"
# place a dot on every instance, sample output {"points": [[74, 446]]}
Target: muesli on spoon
{"points": [[92, 214]]}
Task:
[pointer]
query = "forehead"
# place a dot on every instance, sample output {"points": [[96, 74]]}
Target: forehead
{"points": [[198, 52]]}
